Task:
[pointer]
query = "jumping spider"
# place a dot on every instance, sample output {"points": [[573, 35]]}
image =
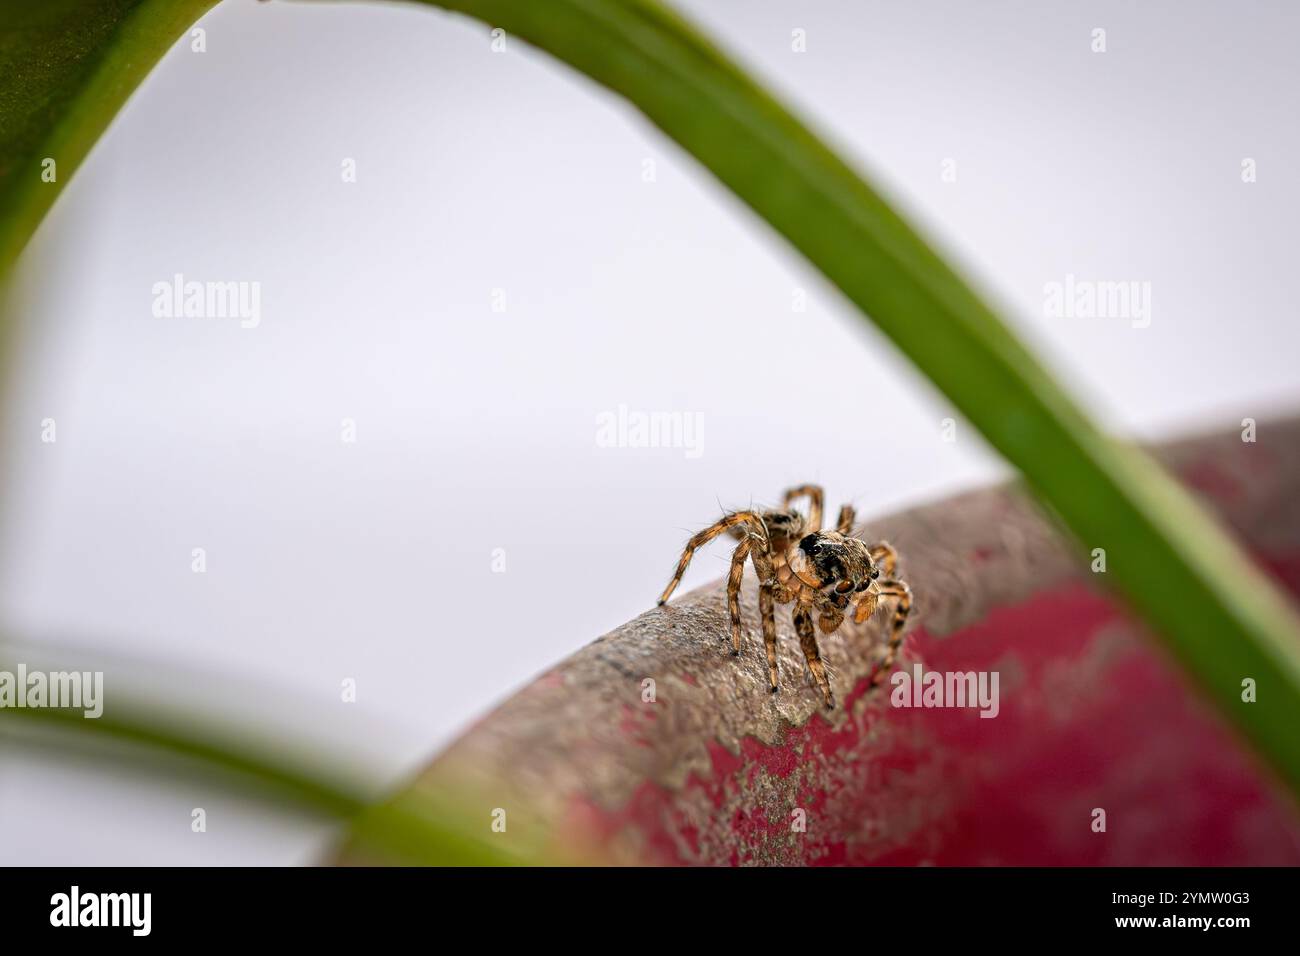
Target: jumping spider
{"points": [[821, 571]]}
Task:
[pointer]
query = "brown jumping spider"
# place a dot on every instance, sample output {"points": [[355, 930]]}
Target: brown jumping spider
{"points": [[821, 571]]}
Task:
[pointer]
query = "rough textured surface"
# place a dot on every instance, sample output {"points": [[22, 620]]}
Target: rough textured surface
{"points": [[715, 770]]}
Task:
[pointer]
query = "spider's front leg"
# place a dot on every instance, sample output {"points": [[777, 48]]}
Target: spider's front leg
{"points": [[734, 579], [803, 625], [884, 555], [902, 596], [700, 539]]}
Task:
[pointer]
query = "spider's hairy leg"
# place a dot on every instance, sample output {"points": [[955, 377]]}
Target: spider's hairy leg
{"points": [[803, 625], [700, 539], [767, 612], [815, 497], [884, 555], [770, 593], [902, 595], [844, 524], [734, 578]]}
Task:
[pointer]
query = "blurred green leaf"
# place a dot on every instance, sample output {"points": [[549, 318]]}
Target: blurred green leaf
{"points": [[66, 68], [416, 826]]}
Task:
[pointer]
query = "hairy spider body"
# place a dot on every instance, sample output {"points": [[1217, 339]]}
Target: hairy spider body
{"points": [[823, 573]]}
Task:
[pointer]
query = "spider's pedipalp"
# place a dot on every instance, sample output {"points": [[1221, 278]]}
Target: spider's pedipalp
{"points": [[865, 606], [830, 619]]}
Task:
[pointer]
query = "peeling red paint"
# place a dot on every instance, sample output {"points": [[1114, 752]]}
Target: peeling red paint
{"points": [[1090, 717], [725, 763]]}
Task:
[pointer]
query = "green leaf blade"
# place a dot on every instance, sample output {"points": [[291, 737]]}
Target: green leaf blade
{"points": [[66, 68]]}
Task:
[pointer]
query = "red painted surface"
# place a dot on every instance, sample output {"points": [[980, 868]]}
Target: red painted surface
{"points": [[1090, 717]]}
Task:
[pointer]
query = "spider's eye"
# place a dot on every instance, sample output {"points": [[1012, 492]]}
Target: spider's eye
{"points": [[875, 573]]}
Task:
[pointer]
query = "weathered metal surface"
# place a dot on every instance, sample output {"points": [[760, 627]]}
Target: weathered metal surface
{"points": [[715, 770]]}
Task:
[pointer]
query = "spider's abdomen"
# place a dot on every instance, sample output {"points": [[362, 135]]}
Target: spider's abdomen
{"points": [[787, 525]]}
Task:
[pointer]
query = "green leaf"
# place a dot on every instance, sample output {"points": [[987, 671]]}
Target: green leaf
{"points": [[66, 68]]}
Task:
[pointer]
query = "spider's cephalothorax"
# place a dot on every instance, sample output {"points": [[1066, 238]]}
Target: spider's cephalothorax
{"points": [[821, 572]]}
